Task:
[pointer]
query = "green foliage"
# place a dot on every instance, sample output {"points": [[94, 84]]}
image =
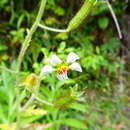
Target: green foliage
{"points": [[103, 22], [87, 100], [8, 94], [3, 2]]}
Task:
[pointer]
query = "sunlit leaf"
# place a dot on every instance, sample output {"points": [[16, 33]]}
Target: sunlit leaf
{"points": [[74, 123]]}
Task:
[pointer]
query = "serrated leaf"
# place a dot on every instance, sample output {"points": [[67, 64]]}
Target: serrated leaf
{"points": [[32, 114], [64, 100]]}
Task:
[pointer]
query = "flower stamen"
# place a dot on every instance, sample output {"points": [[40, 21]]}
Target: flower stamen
{"points": [[62, 72]]}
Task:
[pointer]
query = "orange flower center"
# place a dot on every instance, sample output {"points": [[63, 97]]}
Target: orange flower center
{"points": [[62, 70]]}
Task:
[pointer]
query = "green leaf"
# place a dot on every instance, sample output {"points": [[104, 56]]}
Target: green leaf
{"points": [[32, 114], [58, 10], [64, 100], [62, 36], [62, 46], [30, 119], [73, 123], [103, 22], [20, 20], [78, 107], [50, 21], [35, 52], [3, 47], [100, 9]]}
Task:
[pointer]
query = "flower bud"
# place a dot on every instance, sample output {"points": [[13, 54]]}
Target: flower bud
{"points": [[31, 80], [82, 14]]}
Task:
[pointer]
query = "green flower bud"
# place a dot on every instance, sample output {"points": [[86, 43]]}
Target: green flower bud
{"points": [[82, 14]]}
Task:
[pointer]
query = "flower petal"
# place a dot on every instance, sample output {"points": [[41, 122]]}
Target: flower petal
{"points": [[72, 57], [62, 76], [46, 69], [75, 66], [55, 60]]}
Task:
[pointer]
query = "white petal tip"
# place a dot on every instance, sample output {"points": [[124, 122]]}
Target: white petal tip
{"points": [[55, 60], [72, 57], [75, 66], [46, 70]]}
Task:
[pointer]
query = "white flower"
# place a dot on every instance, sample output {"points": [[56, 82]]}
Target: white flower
{"points": [[46, 69], [62, 68]]}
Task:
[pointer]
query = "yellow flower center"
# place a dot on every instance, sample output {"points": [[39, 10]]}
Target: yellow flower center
{"points": [[62, 69]]}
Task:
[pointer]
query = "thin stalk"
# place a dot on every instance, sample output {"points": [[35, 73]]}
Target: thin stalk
{"points": [[31, 99], [8, 70], [34, 96], [24, 47], [43, 101], [52, 29], [115, 19], [18, 109]]}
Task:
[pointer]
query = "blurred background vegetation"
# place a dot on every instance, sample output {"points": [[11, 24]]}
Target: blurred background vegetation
{"points": [[96, 99]]}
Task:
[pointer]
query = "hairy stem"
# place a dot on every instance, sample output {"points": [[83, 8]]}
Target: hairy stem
{"points": [[34, 96], [30, 33], [22, 53], [31, 99]]}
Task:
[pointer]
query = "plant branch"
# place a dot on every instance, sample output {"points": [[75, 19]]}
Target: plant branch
{"points": [[30, 33], [24, 47], [115, 19], [52, 29], [8, 70], [43, 101], [34, 96], [31, 99]]}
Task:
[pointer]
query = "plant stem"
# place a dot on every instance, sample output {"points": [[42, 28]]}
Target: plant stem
{"points": [[52, 29], [24, 47], [34, 96], [8, 70], [43, 101], [115, 19], [30, 33], [31, 99]]}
